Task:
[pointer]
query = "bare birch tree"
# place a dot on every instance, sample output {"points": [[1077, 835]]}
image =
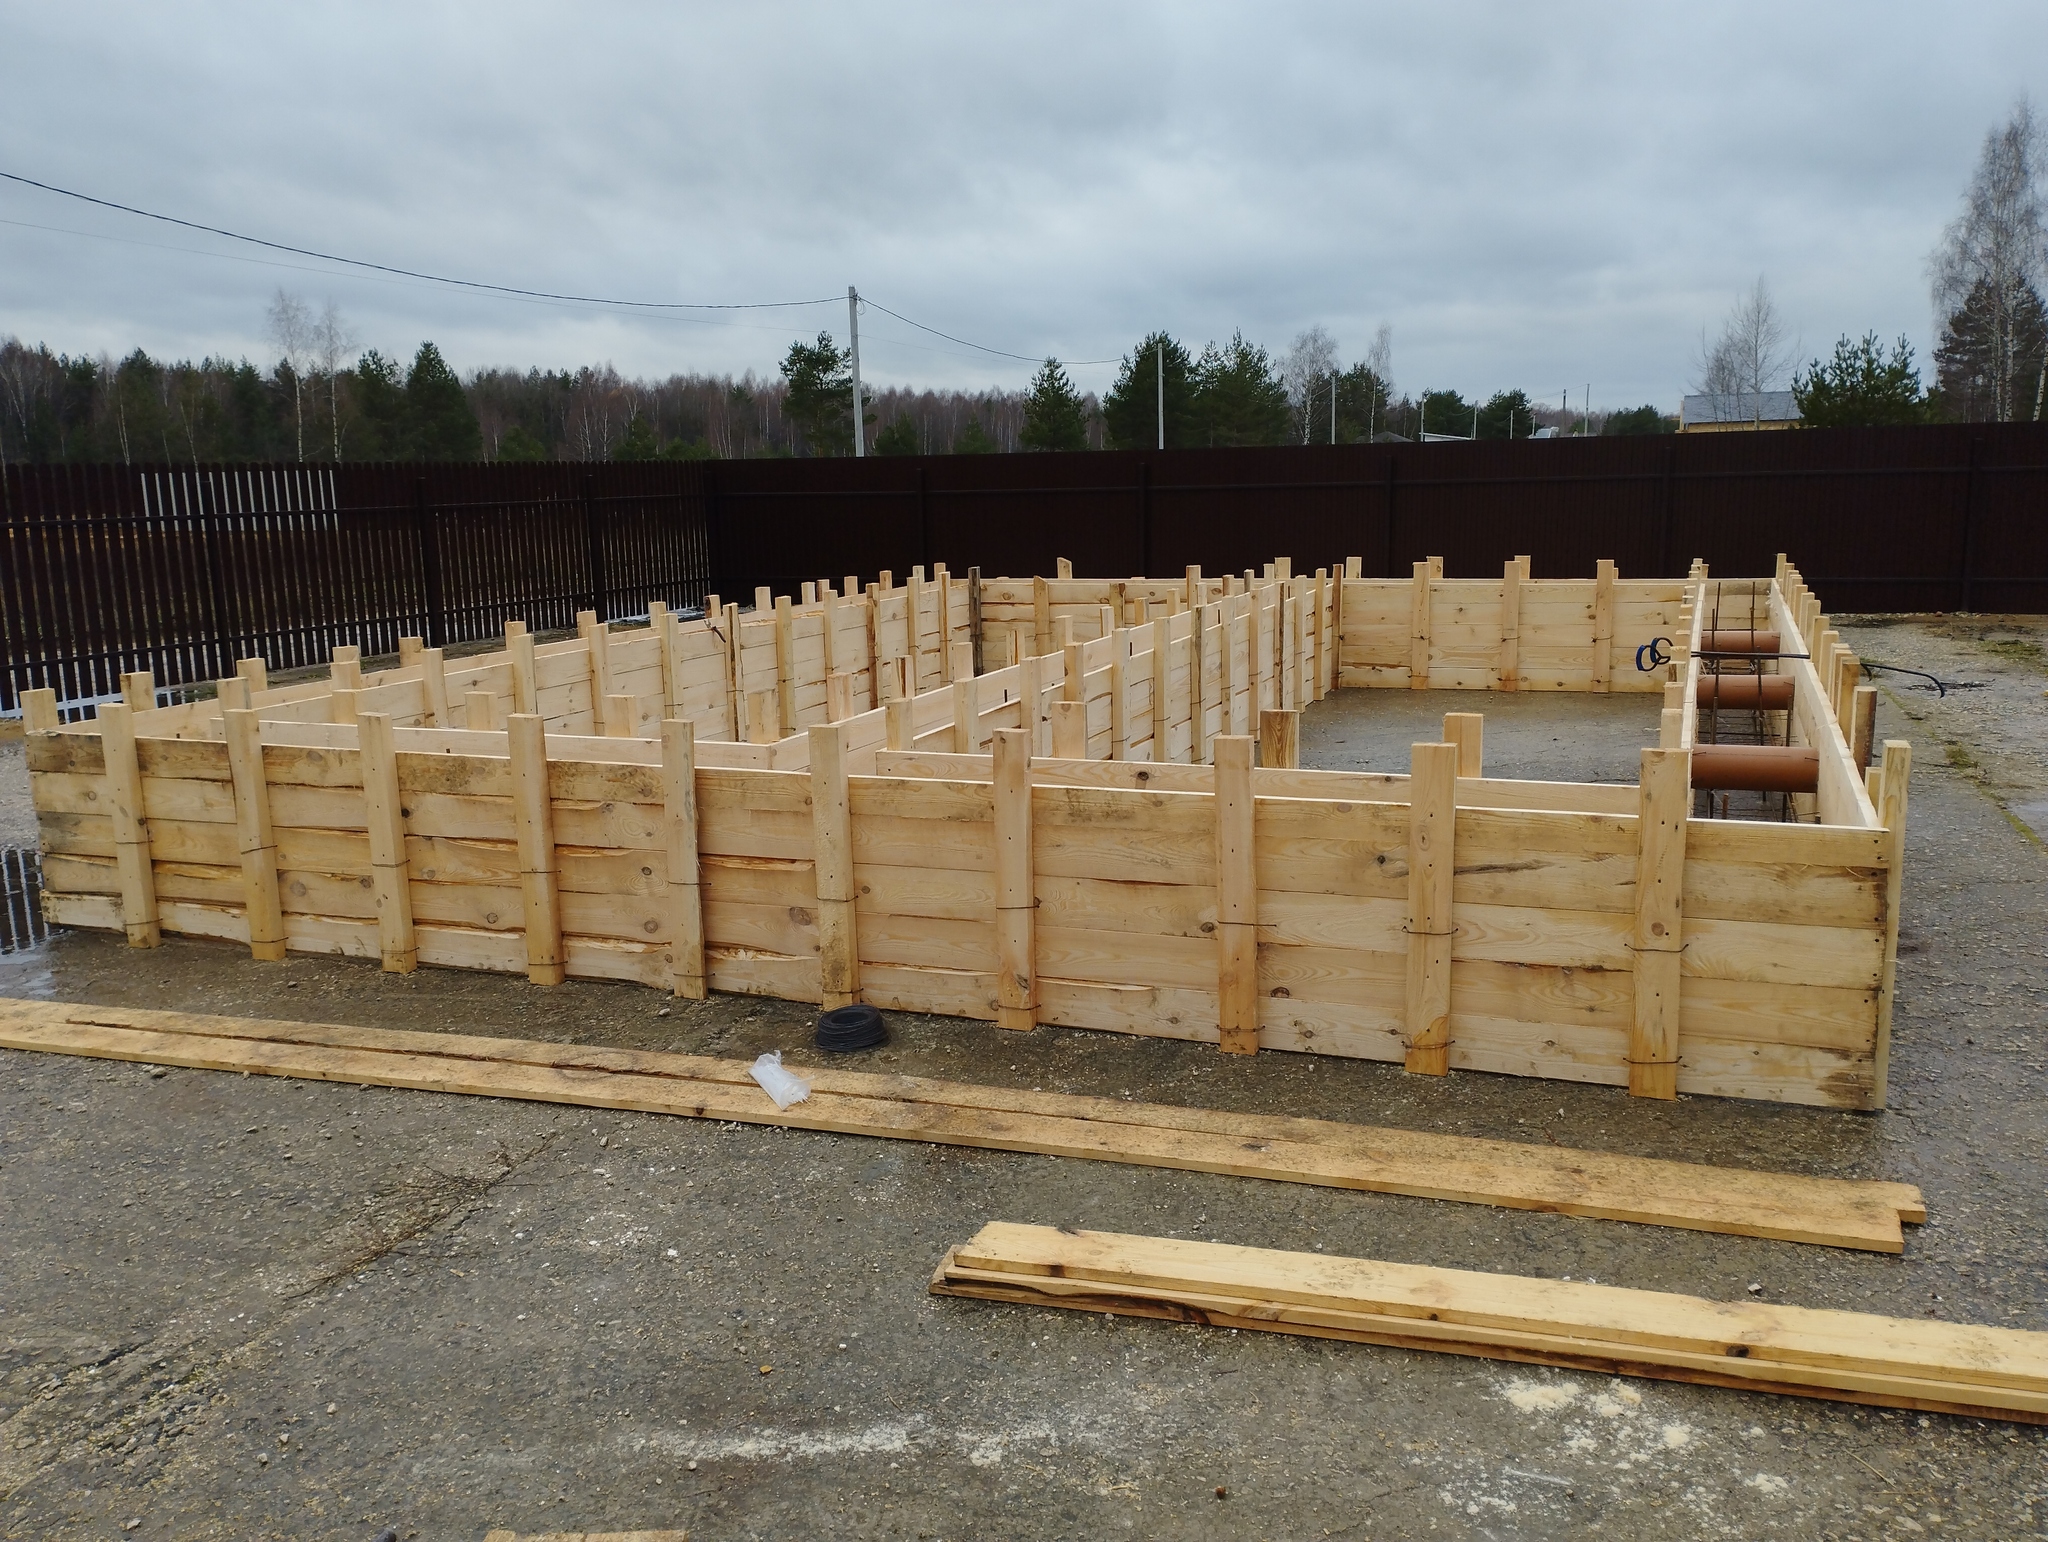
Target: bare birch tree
{"points": [[332, 342], [1754, 353], [290, 326], [1993, 256], [1308, 369]]}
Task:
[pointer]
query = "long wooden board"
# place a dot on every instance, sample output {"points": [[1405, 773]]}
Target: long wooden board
{"points": [[1852, 1356], [1835, 1212]]}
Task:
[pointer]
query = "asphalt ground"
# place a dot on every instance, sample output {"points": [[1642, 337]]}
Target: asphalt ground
{"points": [[246, 1307]]}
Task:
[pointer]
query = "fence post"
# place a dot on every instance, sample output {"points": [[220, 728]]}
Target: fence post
{"points": [[593, 541], [686, 907], [131, 826], [390, 872], [1432, 820], [533, 819], [427, 532], [1016, 897], [832, 834], [1663, 802], [1237, 899], [258, 841]]}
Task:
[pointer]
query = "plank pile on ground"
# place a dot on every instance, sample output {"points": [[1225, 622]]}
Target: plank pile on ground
{"points": [[1787, 1207], [1854, 1357]]}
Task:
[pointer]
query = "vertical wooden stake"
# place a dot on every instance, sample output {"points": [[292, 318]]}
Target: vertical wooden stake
{"points": [[965, 720], [434, 687], [131, 825], [832, 834], [898, 724], [346, 670], [1897, 769], [254, 835], [1467, 730], [942, 602], [255, 671], [1162, 678], [975, 640], [1065, 566], [1418, 629], [341, 704], [1072, 684], [785, 664], [409, 650], [230, 694], [1041, 615], [533, 817], [479, 711], [525, 690], [1671, 728], [1432, 821], [39, 711], [1119, 708], [963, 661], [1509, 670], [1237, 899], [1031, 692], [666, 632], [1070, 730], [1863, 724], [1286, 675], [735, 705], [1016, 901], [1603, 626], [597, 641], [1280, 739], [839, 698], [619, 712], [138, 690], [1664, 802], [1354, 567], [390, 875]]}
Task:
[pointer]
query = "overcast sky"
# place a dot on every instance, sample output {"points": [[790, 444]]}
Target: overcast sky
{"points": [[1539, 196]]}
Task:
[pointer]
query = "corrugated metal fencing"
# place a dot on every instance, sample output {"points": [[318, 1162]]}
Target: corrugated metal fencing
{"points": [[183, 570]]}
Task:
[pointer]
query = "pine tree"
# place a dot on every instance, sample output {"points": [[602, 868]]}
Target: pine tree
{"points": [[1239, 398], [1130, 412], [899, 438], [820, 399], [973, 439], [439, 422], [1861, 388], [1055, 418]]}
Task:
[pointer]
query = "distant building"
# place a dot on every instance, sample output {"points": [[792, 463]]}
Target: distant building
{"points": [[1723, 413]]}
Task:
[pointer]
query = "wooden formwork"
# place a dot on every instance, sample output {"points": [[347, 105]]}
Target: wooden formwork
{"points": [[1075, 835]]}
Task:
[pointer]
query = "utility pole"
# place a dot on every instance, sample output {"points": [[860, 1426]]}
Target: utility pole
{"points": [[1333, 408], [1589, 409], [1159, 370], [860, 447]]}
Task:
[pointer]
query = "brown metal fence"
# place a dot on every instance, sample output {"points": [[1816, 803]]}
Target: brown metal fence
{"points": [[183, 570], [1942, 518]]}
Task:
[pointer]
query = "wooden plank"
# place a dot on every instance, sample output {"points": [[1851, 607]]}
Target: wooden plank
{"points": [[257, 839], [1603, 625], [1897, 769], [390, 877], [1016, 947], [1418, 628], [124, 797], [1508, 672], [685, 890], [1990, 1372], [1279, 740], [1834, 1212], [838, 939], [1432, 816], [533, 821], [1237, 898], [1653, 1043]]}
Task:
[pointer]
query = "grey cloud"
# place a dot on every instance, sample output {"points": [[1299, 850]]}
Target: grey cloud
{"points": [[1533, 196]]}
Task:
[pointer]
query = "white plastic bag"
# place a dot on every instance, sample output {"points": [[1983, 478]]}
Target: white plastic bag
{"points": [[786, 1087]]}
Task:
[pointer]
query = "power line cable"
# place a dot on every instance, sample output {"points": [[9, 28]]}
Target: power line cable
{"points": [[508, 289], [435, 278]]}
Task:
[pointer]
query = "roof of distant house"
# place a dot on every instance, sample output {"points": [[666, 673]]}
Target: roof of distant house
{"points": [[1740, 407]]}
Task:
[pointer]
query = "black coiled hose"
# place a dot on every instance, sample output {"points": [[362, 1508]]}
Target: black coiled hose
{"points": [[845, 1029]]}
